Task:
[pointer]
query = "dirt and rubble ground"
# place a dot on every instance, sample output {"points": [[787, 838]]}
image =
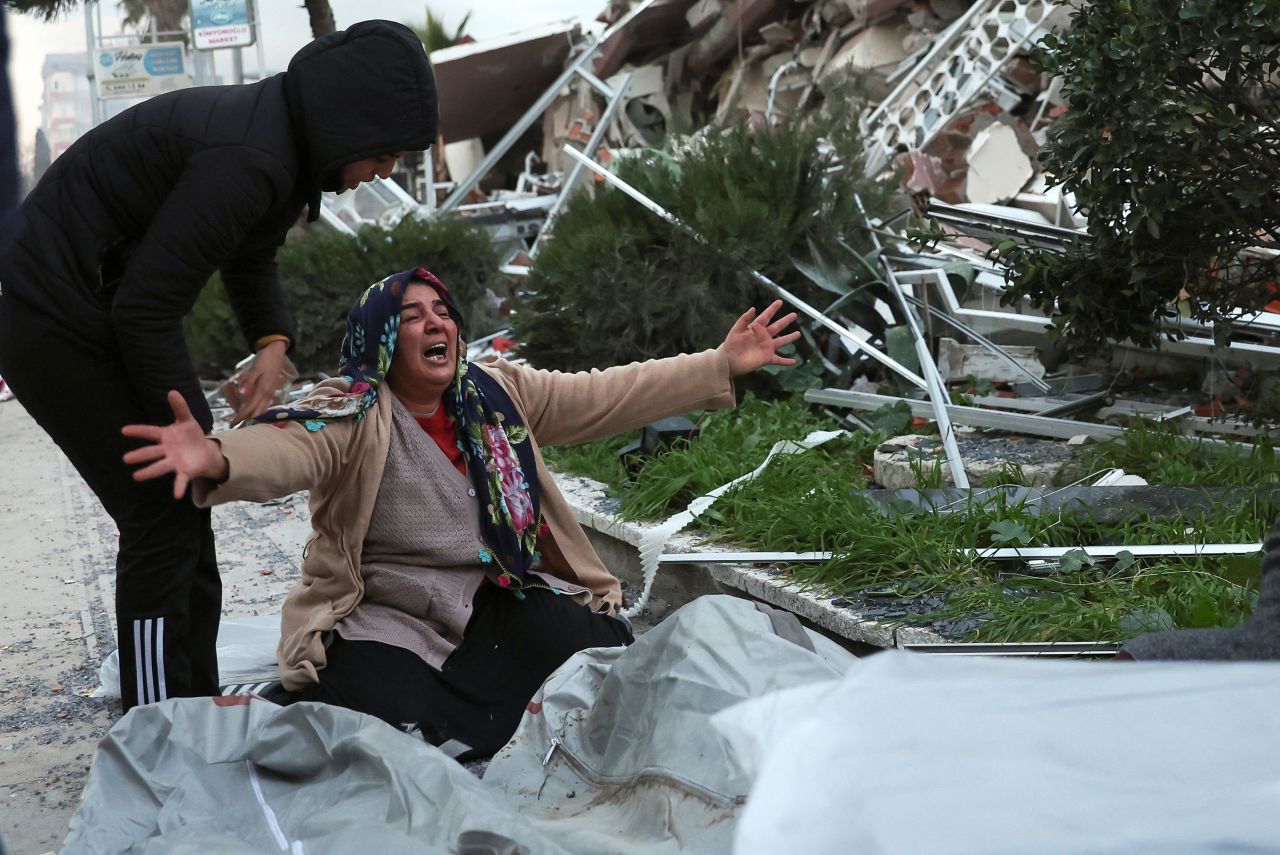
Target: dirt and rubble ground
{"points": [[57, 566]]}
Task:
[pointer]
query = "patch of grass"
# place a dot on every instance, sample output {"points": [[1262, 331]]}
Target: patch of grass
{"points": [[731, 443], [1163, 456], [809, 502], [803, 501], [911, 555], [598, 460], [1008, 473], [812, 501], [1103, 602]]}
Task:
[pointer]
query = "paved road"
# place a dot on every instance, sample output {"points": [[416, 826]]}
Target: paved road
{"points": [[57, 560]]}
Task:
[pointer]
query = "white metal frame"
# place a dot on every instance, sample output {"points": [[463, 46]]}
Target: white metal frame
{"points": [[962, 62]]}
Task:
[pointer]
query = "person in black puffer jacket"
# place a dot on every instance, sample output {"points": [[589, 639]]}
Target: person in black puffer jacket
{"points": [[117, 240]]}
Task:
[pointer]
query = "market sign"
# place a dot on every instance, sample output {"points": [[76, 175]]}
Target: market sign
{"points": [[142, 70], [221, 24]]}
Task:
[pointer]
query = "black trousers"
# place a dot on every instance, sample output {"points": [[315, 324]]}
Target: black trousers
{"points": [[476, 699], [168, 593]]}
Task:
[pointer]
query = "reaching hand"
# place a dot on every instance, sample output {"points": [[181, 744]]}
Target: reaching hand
{"points": [[260, 381], [180, 448], [753, 342]]}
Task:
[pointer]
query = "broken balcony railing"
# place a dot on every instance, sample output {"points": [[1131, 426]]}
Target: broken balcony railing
{"points": [[379, 202], [577, 68], [960, 65], [937, 392], [571, 180]]}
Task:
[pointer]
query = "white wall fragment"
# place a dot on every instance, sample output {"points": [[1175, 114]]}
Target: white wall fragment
{"points": [[998, 166], [957, 361]]}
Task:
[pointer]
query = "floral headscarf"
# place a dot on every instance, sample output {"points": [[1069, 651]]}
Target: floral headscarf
{"points": [[491, 432]]}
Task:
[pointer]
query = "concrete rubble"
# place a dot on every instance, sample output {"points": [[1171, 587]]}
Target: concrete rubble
{"points": [[955, 117], [969, 133]]}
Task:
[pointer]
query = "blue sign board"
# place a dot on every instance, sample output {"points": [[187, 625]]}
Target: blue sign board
{"points": [[217, 24]]}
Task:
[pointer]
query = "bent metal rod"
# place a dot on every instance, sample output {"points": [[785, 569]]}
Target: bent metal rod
{"points": [[803, 307]]}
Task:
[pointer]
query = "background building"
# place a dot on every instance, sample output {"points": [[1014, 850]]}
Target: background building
{"points": [[65, 111]]}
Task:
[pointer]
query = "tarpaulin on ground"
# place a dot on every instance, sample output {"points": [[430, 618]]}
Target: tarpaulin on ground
{"points": [[928, 753], [637, 767]]}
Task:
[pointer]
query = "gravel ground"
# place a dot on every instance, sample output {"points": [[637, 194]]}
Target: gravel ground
{"points": [[56, 621]]}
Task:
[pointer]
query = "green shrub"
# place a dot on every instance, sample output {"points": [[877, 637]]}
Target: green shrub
{"points": [[1169, 147], [213, 336], [323, 271], [618, 284]]}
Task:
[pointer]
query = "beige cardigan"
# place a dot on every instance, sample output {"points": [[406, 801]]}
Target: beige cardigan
{"points": [[342, 467]]}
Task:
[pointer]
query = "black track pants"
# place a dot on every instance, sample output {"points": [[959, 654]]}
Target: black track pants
{"points": [[168, 593]]}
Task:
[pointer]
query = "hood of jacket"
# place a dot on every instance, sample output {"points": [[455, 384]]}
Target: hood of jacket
{"points": [[361, 92]]}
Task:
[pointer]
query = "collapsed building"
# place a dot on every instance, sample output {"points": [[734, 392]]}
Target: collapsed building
{"points": [[952, 82], [956, 114]]}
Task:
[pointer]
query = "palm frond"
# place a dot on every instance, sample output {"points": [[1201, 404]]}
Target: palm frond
{"points": [[45, 10]]}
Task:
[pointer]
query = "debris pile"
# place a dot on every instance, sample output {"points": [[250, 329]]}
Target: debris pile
{"points": [[956, 92], [956, 116], [960, 111]]}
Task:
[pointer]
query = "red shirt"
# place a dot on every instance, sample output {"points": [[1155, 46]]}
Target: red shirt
{"points": [[439, 426]]}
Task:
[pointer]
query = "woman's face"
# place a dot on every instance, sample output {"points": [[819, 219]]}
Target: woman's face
{"points": [[426, 354]]}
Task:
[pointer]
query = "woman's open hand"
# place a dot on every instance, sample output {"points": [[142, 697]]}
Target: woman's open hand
{"points": [[180, 448], [753, 341]]}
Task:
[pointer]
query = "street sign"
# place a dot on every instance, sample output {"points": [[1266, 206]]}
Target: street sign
{"points": [[141, 70], [218, 24]]}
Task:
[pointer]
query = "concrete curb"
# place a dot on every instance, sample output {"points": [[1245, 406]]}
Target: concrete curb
{"points": [[617, 541]]}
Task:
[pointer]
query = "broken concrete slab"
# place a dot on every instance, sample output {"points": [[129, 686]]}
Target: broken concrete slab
{"points": [[998, 165], [484, 85], [948, 10], [662, 24], [913, 461], [958, 361], [740, 16], [921, 173], [646, 111], [868, 12], [703, 13], [765, 88], [877, 50], [777, 34]]}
